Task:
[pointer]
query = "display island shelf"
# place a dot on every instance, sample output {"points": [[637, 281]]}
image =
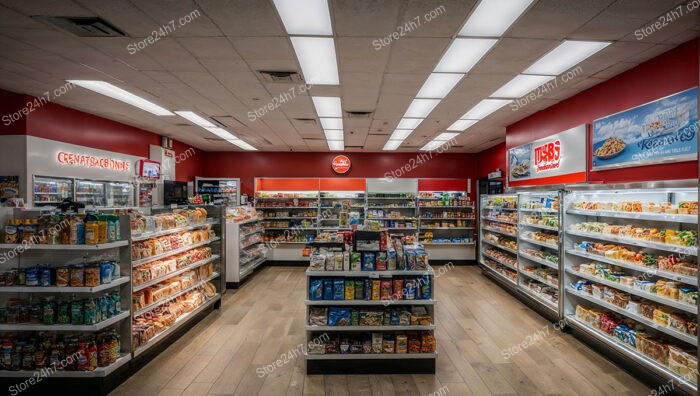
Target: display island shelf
{"points": [[630, 265]]}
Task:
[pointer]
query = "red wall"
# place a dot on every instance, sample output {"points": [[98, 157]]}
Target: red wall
{"points": [[247, 166], [56, 122], [491, 159], [671, 72]]}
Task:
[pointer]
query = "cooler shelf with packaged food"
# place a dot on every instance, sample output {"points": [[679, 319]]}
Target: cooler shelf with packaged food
{"points": [[631, 273], [372, 304], [247, 248], [498, 238]]}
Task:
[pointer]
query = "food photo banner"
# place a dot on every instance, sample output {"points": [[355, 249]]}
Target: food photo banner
{"points": [[556, 159], [664, 130]]}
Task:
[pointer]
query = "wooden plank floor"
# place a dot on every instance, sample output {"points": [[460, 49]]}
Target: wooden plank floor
{"points": [[476, 320]]}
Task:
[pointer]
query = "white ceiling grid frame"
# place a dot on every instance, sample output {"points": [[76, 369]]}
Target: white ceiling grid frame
{"points": [[487, 22], [308, 23]]}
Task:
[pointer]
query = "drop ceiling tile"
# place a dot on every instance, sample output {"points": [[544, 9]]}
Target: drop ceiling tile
{"points": [[360, 55], [392, 106], [47, 7], [607, 27], [416, 55], [556, 19], [263, 48], [366, 18], [649, 53], [123, 15], [434, 18], [181, 18], [172, 56], [512, 56], [245, 18]]}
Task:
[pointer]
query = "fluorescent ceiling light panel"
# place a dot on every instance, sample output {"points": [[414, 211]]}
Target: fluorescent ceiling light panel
{"points": [[461, 125], [195, 119], [431, 145], [331, 123], [484, 108], [317, 59], [420, 108], [222, 133], [566, 55], [438, 85], [409, 123], [392, 145], [520, 85], [327, 106], [117, 93], [492, 18], [463, 54], [400, 134], [333, 134], [336, 145], [310, 17], [445, 136], [243, 145]]}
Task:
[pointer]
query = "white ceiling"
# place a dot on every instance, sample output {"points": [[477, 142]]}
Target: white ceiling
{"points": [[210, 65]]}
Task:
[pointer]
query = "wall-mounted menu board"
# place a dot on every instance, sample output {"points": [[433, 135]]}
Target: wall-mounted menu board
{"points": [[664, 130]]}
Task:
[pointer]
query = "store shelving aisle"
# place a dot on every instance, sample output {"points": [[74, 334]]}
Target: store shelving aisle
{"points": [[258, 323]]}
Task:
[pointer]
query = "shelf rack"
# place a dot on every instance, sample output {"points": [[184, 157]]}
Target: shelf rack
{"points": [[246, 251]]}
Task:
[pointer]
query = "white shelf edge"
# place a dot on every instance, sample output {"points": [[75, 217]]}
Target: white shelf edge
{"points": [[136, 263], [370, 274], [507, 279], [499, 262], [170, 297], [370, 356], [507, 249], [665, 217], [367, 302], [499, 221], [539, 279], [537, 297], [538, 243], [689, 250], [148, 235], [37, 246], [56, 289], [538, 260], [66, 327], [543, 227], [98, 372], [499, 232]]}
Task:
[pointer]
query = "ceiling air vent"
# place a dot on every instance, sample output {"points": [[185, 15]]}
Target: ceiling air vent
{"points": [[358, 114], [280, 76], [305, 121], [83, 26]]}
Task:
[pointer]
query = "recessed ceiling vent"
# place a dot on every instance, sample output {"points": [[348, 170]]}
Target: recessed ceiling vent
{"points": [[280, 76], [83, 26], [305, 121], [358, 114]]}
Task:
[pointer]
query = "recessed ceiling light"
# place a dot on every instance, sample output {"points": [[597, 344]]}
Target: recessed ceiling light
{"points": [[117, 93], [484, 108], [461, 125], [438, 85], [564, 56], [409, 123], [392, 145], [317, 59], [327, 106], [445, 136], [431, 145], [492, 18], [336, 145], [222, 133], [333, 134], [520, 85], [463, 54], [331, 123], [420, 108], [310, 18], [400, 134], [195, 119]]}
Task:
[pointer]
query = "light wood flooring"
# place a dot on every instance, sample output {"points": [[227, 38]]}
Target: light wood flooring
{"points": [[475, 320]]}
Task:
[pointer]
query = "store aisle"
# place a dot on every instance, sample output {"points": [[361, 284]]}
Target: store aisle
{"points": [[476, 320]]}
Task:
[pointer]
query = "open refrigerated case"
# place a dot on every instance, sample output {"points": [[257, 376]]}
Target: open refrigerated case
{"points": [[630, 262], [51, 190], [223, 191], [498, 238]]}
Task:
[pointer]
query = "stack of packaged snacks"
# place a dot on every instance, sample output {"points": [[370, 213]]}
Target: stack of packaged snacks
{"points": [[394, 288], [373, 343]]}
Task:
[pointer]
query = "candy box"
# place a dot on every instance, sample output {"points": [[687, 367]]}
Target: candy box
{"points": [[368, 261]]}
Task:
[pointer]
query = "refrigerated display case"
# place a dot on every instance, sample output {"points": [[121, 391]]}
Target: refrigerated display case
{"points": [[498, 246], [119, 194], [51, 190], [630, 270], [222, 191], [90, 193]]}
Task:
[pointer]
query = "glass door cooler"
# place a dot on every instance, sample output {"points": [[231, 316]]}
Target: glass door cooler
{"points": [[219, 191], [90, 193], [631, 274], [119, 194], [51, 190]]}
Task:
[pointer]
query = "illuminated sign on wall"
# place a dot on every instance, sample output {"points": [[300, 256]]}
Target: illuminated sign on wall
{"points": [[90, 161]]}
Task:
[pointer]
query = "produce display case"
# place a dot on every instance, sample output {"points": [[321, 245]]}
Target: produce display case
{"points": [[631, 274]]}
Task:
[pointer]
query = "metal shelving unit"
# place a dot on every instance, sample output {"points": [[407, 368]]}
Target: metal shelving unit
{"points": [[246, 250], [458, 233]]}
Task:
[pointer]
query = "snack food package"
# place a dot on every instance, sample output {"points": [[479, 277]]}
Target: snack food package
{"points": [[683, 363], [346, 261], [377, 340], [338, 289], [318, 316], [338, 316], [385, 289], [349, 289], [317, 262], [413, 343], [391, 260], [401, 343], [368, 289], [398, 289], [388, 344], [368, 261], [376, 289], [328, 288], [359, 289], [381, 261], [410, 289], [355, 261]]}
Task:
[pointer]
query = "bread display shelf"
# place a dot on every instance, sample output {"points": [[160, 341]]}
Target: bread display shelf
{"points": [[632, 354], [384, 303], [539, 260], [98, 372], [36, 246], [288, 198], [250, 266], [148, 235], [371, 356], [541, 298], [693, 309], [243, 236], [544, 227], [170, 297], [370, 328], [499, 232], [244, 247], [446, 218], [689, 338], [507, 249], [493, 270], [57, 289], [61, 327], [689, 250], [393, 218], [534, 242], [499, 220], [136, 263], [253, 220], [539, 279], [665, 217], [175, 273], [178, 322], [691, 280], [499, 262], [285, 207]]}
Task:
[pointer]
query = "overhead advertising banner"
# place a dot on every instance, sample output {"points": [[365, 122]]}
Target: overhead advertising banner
{"points": [[556, 159], [664, 130]]}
